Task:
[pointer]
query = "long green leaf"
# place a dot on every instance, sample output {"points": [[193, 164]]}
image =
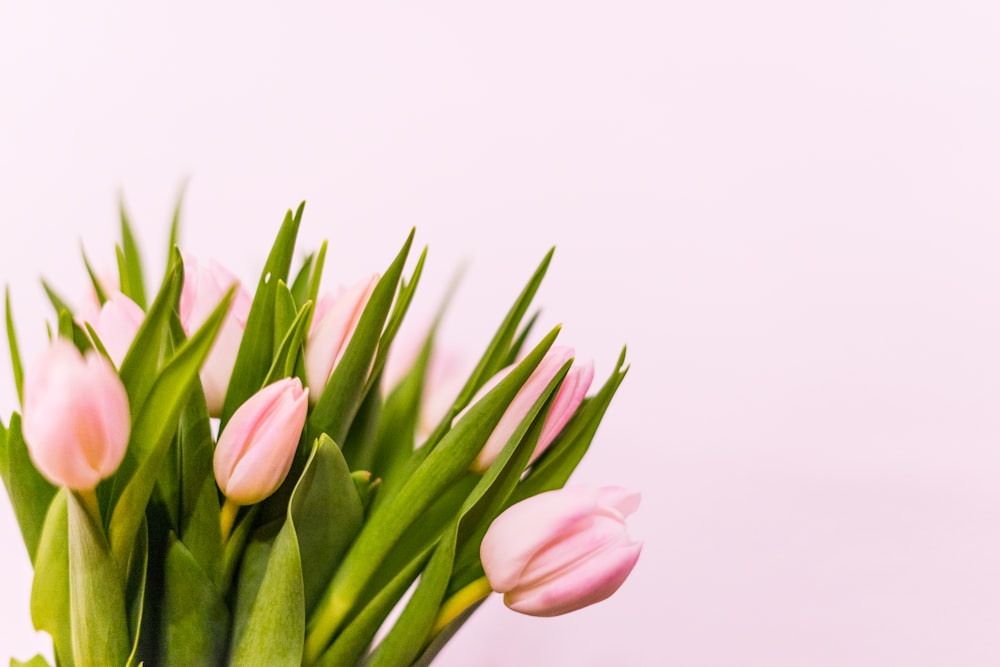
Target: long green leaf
{"points": [[97, 599], [412, 631], [30, 493], [130, 262], [257, 346], [390, 519], [154, 428], [15, 353], [50, 606], [344, 391]]}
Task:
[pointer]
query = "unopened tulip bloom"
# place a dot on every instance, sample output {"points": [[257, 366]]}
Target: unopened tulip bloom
{"points": [[116, 325], [570, 394], [204, 287], [333, 325], [258, 444], [76, 416], [561, 550]]}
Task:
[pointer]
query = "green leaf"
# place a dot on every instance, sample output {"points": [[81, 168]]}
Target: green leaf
{"points": [[274, 631], [359, 446], [102, 296], [554, 467], [173, 240], [289, 350], [439, 470], [30, 493], [412, 631], [442, 638], [328, 513], [97, 601], [495, 355], [15, 353], [129, 262], [135, 589], [58, 303], [37, 661], [255, 556], [300, 285], [141, 364], [352, 643], [195, 617], [154, 428], [50, 607], [257, 346], [337, 405]]}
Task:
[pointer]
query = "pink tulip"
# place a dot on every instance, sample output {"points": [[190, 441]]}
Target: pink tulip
{"points": [[258, 444], [116, 325], [332, 327], [76, 416], [561, 550], [568, 399], [204, 287]]}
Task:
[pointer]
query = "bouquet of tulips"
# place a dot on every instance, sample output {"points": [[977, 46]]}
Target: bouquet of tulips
{"points": [[211, 477]]}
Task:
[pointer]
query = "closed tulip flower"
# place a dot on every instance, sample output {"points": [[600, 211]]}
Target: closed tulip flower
{"points": [[256, 448], [116, 325], [76, 417], [204, 287], [570, 394], [332, 327], [561, 550]]}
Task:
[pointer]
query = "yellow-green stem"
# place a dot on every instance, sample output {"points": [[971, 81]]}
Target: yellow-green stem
{"points": [[228, 518], [89, 500], [326, 622], [459, 602]]}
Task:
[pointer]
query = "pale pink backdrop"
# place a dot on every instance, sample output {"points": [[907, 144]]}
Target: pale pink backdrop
{"points": [[789, 211]]}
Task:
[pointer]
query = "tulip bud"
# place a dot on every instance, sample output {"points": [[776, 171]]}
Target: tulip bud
{"points": [[76, 417], [570, 395], [204, 287], [116, 325], [561, 550], [332, 327], [256, 448]]}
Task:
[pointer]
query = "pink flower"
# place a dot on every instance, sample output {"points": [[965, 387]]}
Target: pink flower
{"points": [[561, 550], [204, 287], [76, 417], [568, 399], [116, 325], [258, 444], [332, 327], [447, 372]]}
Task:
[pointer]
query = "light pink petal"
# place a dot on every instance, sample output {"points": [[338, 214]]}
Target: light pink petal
{"points": [[571, 394], [522, 530], [589, 582]]}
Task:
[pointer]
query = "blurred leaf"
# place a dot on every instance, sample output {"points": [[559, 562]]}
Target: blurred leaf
{"points": [[130, 262], [344, 392], [30, 493], [522, 337], [257, 346], [300, 284], [289, 350], [493, 358], [173, 240], [102, 295], [412, 630], [135, 589], [36, 661], [439, 470], [58, 303], [195, 617], [97, 601], [15, 354], [557, 463], [360, 441], [442, 638]]}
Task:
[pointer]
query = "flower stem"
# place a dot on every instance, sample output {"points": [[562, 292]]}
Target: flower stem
{"points": [[460, 601], [228, 518], [89, 500]]}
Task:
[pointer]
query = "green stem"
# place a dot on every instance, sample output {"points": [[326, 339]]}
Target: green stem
{"points": [[89, 500], [459, 602], [228, 518]]}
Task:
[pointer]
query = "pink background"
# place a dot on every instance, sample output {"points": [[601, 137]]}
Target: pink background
{"points": [[789, 211]]}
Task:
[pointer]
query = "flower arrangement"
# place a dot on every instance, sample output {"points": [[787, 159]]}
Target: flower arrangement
{"points": [[212, 477]]}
